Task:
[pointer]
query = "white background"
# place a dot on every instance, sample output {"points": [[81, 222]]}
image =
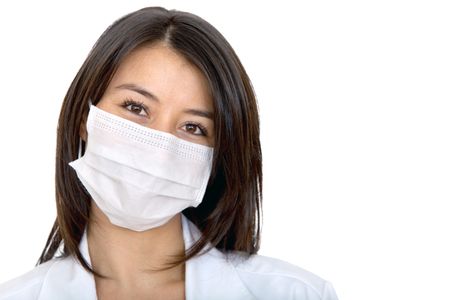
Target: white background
{"points": [[355, 116]]}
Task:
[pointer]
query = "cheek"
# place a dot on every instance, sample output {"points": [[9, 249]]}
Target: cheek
{"points": [[104, 104], [112, 107], [211, 141]]}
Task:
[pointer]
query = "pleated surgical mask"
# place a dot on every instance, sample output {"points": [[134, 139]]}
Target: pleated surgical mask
{"points": [[140, 177]]}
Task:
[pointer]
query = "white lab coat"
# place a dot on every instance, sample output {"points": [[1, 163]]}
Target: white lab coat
{"points": [[208, 277]]}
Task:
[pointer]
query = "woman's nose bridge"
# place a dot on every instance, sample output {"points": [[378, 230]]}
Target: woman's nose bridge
{"points": [[164, 121]]}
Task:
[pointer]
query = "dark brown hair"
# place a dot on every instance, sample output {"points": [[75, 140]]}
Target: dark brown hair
{"points": [[229, 216]]}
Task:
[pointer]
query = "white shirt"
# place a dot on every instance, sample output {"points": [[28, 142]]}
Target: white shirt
{"points": [[208, 277]]}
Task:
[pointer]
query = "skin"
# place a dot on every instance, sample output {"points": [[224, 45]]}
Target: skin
{"points": [[122, 254]]}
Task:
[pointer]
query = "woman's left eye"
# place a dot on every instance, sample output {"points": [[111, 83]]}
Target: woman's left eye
{"points": [[196, 129]]}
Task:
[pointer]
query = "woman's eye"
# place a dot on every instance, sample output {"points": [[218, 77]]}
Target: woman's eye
{"points": [[135, 107], [195, 129]]}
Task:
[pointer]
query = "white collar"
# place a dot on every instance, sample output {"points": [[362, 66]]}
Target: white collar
{"points": [[208, 276]]}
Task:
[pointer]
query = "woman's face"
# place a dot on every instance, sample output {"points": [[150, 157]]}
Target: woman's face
{"points": [[158, 88]]}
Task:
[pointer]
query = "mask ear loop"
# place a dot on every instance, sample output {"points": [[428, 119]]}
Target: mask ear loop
{"points": [[80, 143], [79, 147]]}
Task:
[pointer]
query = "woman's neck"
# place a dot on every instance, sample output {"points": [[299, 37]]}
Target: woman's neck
{"points": [[130, 258]]}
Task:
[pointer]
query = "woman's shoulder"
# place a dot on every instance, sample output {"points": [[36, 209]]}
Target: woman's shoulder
{"points": [[28, 285], [58, 278], [263, 274]]}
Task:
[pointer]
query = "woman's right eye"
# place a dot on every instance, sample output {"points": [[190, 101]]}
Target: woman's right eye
{"points": [[135, 107]]}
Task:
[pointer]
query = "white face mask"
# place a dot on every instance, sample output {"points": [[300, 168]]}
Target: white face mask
{"points": [[140, 177]]}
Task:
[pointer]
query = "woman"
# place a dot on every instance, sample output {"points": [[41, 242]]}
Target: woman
{"points": [[158, 175]]}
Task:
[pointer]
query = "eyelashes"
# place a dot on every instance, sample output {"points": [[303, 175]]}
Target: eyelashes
{"points": [[140, 109], [128, 102], [202, 128]]}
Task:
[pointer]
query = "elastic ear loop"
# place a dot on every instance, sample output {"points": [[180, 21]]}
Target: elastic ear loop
{"points": [[79, 147], [80, 143]]}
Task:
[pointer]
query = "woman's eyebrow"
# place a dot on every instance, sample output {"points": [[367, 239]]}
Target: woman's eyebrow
{"points": [[149, 95], [138, 89], [200, 113]]}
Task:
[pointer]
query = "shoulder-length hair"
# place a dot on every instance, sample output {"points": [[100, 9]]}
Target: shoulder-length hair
{"points": [[229, 216]]}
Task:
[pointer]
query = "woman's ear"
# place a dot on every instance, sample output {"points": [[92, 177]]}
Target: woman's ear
{"points": [[83, 131]]}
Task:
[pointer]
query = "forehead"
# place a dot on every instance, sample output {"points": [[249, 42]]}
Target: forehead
{"points": [[166, 73]]}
